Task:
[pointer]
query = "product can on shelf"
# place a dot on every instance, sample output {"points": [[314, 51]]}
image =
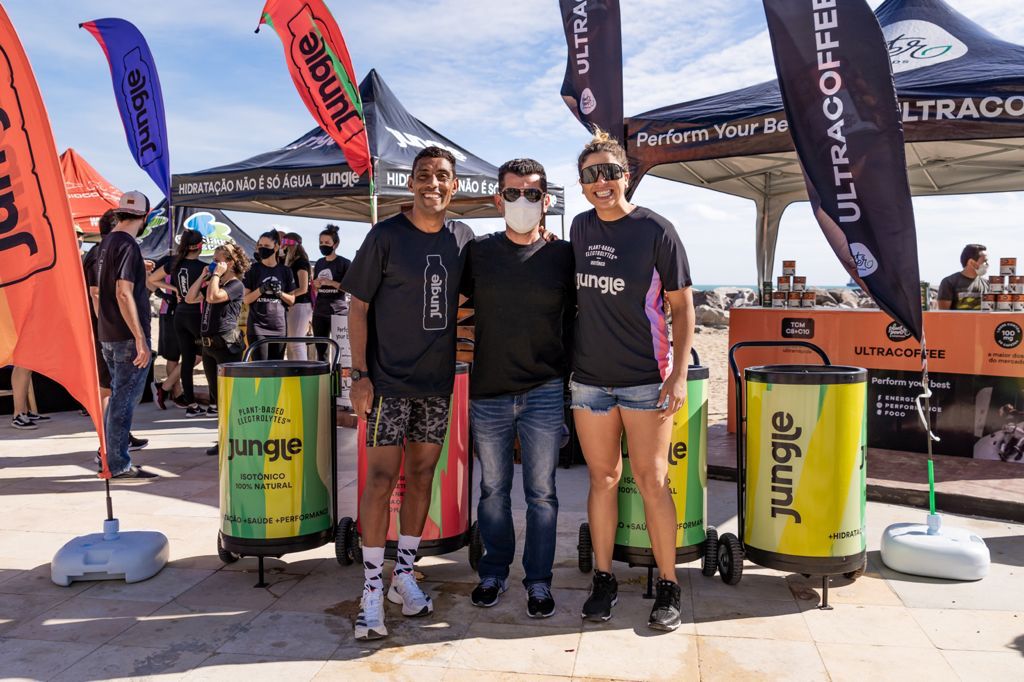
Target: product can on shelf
{"points": [[799, 283], [1004, 303], [1018, 303], [1007, 266], [997, 284], [807, 299], [779, 299], [789, 267], [988, 303], [784, 284], [795, 298], [1016, 285]]}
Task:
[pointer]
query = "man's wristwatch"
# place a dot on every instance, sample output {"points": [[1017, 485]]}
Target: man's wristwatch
{"points": [[358, 374]]}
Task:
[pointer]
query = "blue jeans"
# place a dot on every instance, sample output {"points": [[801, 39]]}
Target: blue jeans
{"points": [[537, 417], [127, 383]]}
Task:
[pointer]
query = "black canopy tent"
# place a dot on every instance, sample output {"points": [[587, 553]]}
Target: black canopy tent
{"points": [[310, 178], [215, 227], [960, 89]]}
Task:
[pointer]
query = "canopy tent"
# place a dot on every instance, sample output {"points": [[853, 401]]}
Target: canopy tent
{"points": [[960, 90], [215, 227], [310, 178], [90, 195]]}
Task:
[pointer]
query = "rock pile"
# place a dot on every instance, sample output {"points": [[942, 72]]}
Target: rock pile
{"points": [[713, 305]]}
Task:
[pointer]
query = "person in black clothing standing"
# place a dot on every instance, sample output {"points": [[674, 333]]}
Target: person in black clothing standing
{"points": [[267, 286], [524, 302], [184, 269], [221, 340], [404, 283], [326, 284], [300, 312]]}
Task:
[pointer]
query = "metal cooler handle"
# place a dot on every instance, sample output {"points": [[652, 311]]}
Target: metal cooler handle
{"points": [[741, 417], [315, 340]]}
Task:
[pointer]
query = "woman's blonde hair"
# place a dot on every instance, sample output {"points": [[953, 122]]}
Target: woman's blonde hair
{"points": [[603, 142]]}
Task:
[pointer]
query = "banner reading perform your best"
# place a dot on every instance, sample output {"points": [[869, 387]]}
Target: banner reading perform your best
{"points": [[836, 81], [321, 69], [139, 98], [44, 309], [592, 88]]}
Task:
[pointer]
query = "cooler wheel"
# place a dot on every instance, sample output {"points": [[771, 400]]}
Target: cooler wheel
{"points": [[858, 572], [224, 555], [586, 549], [709, 557], [730, 559], [344, 540], [476, 546]]}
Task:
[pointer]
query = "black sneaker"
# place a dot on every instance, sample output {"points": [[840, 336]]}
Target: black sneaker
{"points": [[665, 614], [194, 410], [159, 395], [604, 594], [135, 472], [137, 443], [21, 421], [539, 602], [487, 593], [179, 401], [214, 451], [211, 411], [37, 417]]}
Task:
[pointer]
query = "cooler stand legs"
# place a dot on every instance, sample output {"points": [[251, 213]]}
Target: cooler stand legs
{"points": [[649, 594], [262, 582], [824, 594]]}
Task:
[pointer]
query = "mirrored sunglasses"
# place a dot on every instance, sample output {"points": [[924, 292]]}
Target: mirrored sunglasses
{"points": [[610, 171]]}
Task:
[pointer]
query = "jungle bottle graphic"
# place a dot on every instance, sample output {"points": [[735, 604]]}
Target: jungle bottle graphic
{"points": [[435, 294]]}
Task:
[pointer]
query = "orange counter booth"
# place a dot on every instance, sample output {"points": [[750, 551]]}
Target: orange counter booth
{"points": [[975, 364]]}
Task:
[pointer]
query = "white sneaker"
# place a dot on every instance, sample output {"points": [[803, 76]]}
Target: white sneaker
{"points": [[370, 621], [406, 592]]}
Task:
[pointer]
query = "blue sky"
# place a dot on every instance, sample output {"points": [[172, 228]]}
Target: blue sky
{"points": [[485, 74]]}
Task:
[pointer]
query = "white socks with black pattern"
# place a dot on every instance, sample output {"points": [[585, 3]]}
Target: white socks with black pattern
{"points": [[373, 566], [407, 547]]}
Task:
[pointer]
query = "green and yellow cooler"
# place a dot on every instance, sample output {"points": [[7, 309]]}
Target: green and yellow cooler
{"points": [[687, 474], [277, 463], [802, 472]]}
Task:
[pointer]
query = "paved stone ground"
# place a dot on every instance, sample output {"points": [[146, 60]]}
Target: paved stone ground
{"points": [[200, 619]]}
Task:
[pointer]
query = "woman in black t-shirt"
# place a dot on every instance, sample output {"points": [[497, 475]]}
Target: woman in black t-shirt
{"points": [[300, 312], [222, 304], [326, 285], [268, 284], [629, 263]]}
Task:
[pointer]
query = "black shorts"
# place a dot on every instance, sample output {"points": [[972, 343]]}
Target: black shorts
{"points": [[393, 421], [167, 345]]}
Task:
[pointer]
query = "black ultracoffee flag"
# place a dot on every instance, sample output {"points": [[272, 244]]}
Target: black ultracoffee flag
{"points": [[592, 88], [837, 87]]}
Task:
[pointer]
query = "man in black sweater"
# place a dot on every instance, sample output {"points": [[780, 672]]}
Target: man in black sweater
{"points": [[524, 301]]}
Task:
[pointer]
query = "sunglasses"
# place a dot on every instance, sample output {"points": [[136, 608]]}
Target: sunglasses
{"points": [[532, 194], [610, 171]]}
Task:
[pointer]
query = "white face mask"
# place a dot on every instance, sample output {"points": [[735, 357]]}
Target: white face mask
{"points": [[982, 269], [523, 216]]}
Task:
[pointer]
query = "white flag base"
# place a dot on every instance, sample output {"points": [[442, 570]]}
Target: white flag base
{"points": [[111, 555], [935, 552]]}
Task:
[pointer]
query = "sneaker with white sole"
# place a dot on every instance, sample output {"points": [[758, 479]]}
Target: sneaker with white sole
{"points": [[21, 421], [37, 417], [370, 621], [211, 411], [406, 592], [194, 410]]}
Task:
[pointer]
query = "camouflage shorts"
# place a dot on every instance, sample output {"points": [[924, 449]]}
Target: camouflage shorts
{"points": [[394, 421]]}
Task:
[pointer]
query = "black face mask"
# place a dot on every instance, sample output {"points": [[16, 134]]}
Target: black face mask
{"points": [[326, 250], [263, 252]]}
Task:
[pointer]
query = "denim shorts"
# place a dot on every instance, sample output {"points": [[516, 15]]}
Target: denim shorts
{"points": [[601, 399]]}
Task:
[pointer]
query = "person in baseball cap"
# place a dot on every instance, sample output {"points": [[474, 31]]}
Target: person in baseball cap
{"points": [[134, 204]]}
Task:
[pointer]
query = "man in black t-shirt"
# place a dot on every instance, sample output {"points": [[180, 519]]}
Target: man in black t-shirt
{"points": [[524, 302], [964, 290], [123, 325], [404, 283]]}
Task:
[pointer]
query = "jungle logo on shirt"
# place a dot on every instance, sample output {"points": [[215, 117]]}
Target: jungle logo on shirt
{"points": [[435, 294]]}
